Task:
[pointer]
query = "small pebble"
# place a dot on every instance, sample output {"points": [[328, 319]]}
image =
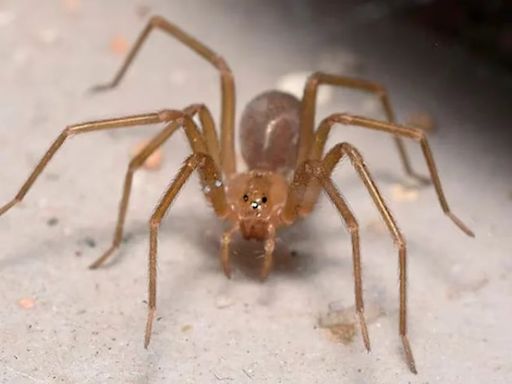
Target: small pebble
{"points": [[53, 221], [119, 45], [223, 302], [71, 6], [90, 242], [26, 303], [154, 161], [402, 193], [186, 328]]}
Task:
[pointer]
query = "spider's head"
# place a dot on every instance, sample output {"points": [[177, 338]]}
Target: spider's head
{"points": [[255, 198]]}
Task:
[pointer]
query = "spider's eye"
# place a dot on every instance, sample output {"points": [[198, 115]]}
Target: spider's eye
{"points": [[246, 197], [264, 199]]}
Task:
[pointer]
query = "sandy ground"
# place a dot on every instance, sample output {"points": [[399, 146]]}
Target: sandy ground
{"points": [[63, 323]]}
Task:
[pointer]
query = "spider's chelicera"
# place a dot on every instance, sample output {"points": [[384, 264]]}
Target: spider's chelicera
{"points": [[287, 167]]}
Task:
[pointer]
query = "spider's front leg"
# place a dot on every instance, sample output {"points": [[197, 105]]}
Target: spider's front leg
{"points": [[306, 177], [210, 176], [199, 141], [268, 256], [99, 125]]}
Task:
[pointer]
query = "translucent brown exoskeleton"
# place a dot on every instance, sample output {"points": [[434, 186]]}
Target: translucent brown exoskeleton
{"points": [[287, 167]]}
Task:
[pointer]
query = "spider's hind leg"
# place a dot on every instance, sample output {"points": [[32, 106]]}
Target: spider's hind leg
{"points": [[309, 109], [416, 134]]}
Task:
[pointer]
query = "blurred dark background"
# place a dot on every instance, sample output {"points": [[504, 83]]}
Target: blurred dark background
{"points": [[484, 27]]}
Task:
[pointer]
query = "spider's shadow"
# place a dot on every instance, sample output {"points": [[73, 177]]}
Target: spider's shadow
{"points": [[205, 231]]}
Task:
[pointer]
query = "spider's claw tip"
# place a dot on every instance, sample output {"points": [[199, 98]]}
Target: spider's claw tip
{"points": [[99, 88], [263, 277], [408, 355], [227, 273], [96, 264], [463, 227], [8, 206]]}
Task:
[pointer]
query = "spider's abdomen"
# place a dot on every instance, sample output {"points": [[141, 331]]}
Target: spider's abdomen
{"points": [[269, 131]]}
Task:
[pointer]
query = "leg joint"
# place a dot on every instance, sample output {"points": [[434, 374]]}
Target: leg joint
{"points": [[381, 91], [194, 108], [222, 65], [341, 118], [400, 241], [352, 225], [68, 131], [169, 114], [154, 222], [157, 21], [313, 81], [134, 164], [352, 152], [314, 168]]}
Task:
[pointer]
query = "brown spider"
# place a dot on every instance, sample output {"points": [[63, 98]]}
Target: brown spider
{"points": [[277, 137]]}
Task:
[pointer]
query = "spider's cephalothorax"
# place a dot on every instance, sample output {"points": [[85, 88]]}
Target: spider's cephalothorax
{"points": [[269, 131], [278, 140]]}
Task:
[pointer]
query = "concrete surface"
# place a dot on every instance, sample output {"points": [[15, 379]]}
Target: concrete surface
{"points": [[63, 323]]}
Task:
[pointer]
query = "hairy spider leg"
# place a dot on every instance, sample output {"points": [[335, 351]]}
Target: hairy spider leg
{"points": [[332, 158], [99, 125], [408, 132], [309, 107], [205, 142], [304, 175], [227, 153], [209, 174]]}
